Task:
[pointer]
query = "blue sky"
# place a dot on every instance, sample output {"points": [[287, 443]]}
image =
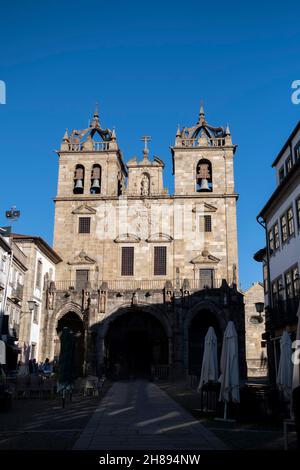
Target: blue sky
{"points": [[148, 64]]}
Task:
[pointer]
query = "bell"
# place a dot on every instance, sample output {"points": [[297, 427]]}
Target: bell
{"points": [[78, 184], [95, 184], [204, 185]]}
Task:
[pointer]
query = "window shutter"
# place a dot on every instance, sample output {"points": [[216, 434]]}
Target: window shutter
{"points": [[127, 261], [84, 224], [160, 260]]}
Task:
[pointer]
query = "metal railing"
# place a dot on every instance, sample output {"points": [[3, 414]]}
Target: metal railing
{"points": [[97, 147], [160, 371], [283, 311], [17, 292]]}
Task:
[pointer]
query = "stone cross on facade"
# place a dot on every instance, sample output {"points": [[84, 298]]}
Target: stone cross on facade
{"points": [[146, 139]]}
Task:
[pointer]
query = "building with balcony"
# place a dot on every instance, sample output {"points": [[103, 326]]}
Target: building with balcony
{"points": [[41, 264], [144, 273], [280, 218], [12, 274]]}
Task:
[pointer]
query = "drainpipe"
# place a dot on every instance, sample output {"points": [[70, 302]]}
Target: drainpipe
{"points": [[263, 225], [271, 360]]}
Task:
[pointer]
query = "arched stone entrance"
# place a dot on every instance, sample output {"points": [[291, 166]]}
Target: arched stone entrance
{"points": [[135, 342], [197, 330], [75, 324]]}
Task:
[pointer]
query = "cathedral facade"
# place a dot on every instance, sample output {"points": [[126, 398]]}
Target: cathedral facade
{"points": [[144, 272]]}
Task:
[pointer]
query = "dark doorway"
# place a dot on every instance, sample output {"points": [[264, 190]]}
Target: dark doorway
{"points": [[75, 324], [135, 342], [196, 335]]}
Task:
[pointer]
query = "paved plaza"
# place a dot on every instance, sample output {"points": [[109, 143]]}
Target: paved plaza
{"points": [[137, 414]]}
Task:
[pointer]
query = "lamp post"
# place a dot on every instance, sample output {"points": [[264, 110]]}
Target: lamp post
{"points": [[13, 214], [259, 306], [31, 305]]}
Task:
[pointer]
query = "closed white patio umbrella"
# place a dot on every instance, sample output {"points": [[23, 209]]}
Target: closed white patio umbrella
{"points": [[285, 368], [229, 378], [209, 370]]}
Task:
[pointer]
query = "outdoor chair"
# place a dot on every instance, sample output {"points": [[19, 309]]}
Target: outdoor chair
{"points": [[48, 387], [22, 387], [100, 385], [35, 386], [90, 387]]}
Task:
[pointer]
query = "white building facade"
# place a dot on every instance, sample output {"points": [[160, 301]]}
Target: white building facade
{"points": [[42, 261], [281, 258]]}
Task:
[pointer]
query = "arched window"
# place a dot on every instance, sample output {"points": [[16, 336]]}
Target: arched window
{"points": [[79, 179], [96, 179], [145, 184], [204, 176]]}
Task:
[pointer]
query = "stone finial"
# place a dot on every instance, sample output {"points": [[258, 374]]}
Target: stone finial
{"points": [[228, 139], [95, 121], [65, 141], [113, 134], [178, 132], [201, 113], [66, 136]]}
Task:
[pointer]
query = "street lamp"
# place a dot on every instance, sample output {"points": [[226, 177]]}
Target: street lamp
{"points": [[259, 307], [255, 319], [31, 305]]}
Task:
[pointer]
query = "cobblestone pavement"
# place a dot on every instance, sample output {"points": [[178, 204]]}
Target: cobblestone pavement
{"points": [[136, 415], [44, 424]]}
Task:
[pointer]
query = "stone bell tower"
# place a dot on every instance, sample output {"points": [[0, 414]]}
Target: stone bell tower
{"points": [[91, 171], [203, 169]]}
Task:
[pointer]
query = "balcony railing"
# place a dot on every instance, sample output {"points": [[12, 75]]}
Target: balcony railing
{"points": [[145, 285], [216, 142], [97, 147], [283, 312], [17, 293]]}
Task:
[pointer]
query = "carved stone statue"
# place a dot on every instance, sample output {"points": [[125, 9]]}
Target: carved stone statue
{"points": [[145, 185], [134, 299], [51, 296], [102, 302]]}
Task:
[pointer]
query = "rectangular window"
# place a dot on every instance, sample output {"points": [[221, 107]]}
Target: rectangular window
{"points": [[274, 292], [290, 219], [3, 263], [265, 271], [284, 233], [295, 281], [205, 223], [39, 274], [160, 260], [281, 174], [206, 278], [276, 236], [36, 314], [298, 211], [288, 164], [33, 351], [82, 277], [288, 285], [127, 262], [297, 152], [84, 225], [271, 241], [277, 289]]}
